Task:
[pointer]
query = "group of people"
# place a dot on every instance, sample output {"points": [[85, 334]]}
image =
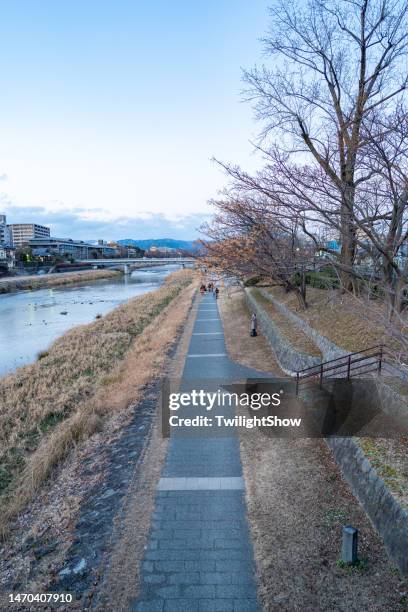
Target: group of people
{"points": [[210, 287], [213, 289]]}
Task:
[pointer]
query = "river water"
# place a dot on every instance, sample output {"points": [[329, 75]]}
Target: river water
{"points": [[31, 320]]}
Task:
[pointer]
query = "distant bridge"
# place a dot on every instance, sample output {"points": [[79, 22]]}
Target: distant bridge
{"points": [[140, 260], [132, 263]]}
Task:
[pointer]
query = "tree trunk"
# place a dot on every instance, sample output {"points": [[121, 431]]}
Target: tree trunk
{"points": [[348, 237], [302, 298], [390, 288]]}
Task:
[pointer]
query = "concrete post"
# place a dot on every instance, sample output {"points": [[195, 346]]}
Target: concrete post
{"points": [[254, 325], [349, 545]]}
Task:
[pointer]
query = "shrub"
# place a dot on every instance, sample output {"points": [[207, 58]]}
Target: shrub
{"points": [[253, 280]]}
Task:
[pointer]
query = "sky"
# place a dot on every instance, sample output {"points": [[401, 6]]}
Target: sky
{"points": [[111, 111]]}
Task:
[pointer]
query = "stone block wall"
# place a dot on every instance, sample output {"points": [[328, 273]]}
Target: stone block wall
{"points": [[288, 357], [387, 515], [328, 349]]}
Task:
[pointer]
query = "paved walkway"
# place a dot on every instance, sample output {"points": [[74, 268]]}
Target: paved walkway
{"points": [[199, 555]]}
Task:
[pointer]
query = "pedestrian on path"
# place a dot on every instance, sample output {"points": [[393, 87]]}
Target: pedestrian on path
{"points": [[254, 325], [216, 293]]}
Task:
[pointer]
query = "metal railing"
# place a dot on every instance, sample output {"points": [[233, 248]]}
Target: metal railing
{"points": [[354, 364]]}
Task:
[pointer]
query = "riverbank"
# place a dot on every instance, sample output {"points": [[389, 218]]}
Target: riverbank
{"points": [[24, 283], [87, 376], [297, 504]]}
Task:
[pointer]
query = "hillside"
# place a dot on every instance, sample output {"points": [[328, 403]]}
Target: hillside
{"points": [[171, 243]]}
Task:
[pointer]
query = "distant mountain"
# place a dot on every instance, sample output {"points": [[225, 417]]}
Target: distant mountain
{"points": [[170, 243]]}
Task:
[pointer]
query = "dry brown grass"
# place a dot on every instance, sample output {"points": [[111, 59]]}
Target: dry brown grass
{"points": [[236, 318], [89, 373], [121, 583], [341, 318], [389, 458], [297, 503], [295, 336], [349, 323], [8, 285]]}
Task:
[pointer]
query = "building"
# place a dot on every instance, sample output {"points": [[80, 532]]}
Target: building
{"points": [[161, 251], [333, 245], [7, 256], [22, 233], [107, 249], [123, 251], [63, 247], [5, 234], [66, 247]]}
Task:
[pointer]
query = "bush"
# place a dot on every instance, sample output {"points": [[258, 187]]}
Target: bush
{"points": [[250, 282], [322, 280]]}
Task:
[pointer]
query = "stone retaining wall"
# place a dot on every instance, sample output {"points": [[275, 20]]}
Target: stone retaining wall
{"points": [[386, 514], [328, 349], [289, 358]]}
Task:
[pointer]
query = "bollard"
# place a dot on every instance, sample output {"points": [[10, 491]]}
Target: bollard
{"points": [[349, 545], [254, 325]]}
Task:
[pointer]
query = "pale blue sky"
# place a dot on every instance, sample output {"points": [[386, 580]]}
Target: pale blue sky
{"points": [[111, 111]]}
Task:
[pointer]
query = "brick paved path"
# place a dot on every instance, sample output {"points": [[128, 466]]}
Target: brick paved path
{"points": [[199, 555]]}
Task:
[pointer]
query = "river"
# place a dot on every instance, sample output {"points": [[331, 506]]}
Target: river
{"points": [[31, 320]]}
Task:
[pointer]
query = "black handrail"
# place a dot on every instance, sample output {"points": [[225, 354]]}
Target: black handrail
{"points": [[345, 356], [344, 365]]}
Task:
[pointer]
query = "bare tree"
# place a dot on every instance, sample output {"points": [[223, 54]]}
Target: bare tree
{"points": [[382, 205], [249, 236], [337, 63]]}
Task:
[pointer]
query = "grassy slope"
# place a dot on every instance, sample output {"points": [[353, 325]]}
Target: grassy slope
{"points": [[346, 321], [236, 320], [297, 503], [339, 318], [46, 407], [295, 336]]}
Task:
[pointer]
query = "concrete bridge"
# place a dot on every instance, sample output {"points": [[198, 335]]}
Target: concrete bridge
{"points": [[129, 264]]}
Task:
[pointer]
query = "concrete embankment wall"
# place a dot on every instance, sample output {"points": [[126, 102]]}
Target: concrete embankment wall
{"points": [[386, 514], [388, 517], [328, 349], [391, 402], [288, 357]]}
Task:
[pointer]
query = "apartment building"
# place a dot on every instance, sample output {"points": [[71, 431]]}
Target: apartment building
{"points": [[5, 234], [22, 233]]}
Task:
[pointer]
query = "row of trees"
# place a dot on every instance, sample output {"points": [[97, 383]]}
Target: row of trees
{"points": [[334, 143]]}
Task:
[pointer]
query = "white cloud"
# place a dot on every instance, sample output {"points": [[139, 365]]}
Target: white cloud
{"points": [[84, 224]]}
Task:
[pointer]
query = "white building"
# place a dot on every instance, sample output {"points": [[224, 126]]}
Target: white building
{"points": [[22, 233], [7, 257], [5, 234]]}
